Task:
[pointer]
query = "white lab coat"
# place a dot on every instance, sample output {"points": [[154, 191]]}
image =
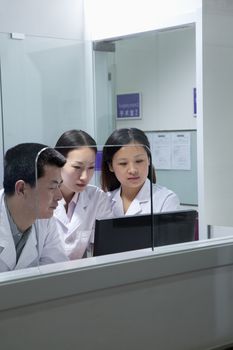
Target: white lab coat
{"points": [[163, 200], [43, 245], [78, 233]]}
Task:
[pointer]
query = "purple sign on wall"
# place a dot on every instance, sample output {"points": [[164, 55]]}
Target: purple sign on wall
{"points": [[98, 160], [194, 102], [128, 106]]}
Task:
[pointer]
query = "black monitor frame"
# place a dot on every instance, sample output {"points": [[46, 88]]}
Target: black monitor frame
{"points": [[134, 232]]}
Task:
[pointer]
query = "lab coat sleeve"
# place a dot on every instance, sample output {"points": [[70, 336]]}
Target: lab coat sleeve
{"points": [[52, 250], [104, 207], [104, 210], [171, 203]]}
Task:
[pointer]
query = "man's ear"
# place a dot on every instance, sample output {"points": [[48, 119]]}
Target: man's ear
{"points": [[20, 188]]}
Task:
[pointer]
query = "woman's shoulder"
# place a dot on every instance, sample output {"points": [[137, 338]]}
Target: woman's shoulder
{"points": [[161, 189], [92, 190], [113, 193]]}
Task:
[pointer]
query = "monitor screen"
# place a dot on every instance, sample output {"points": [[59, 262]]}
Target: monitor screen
{"points": [[134, 232]]}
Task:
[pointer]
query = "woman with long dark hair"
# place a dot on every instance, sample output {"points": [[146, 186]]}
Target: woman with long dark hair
{"points": [[82, 203], [127, 172]]}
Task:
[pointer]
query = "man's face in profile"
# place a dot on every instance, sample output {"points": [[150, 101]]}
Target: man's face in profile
{"points": [[46, 194]]}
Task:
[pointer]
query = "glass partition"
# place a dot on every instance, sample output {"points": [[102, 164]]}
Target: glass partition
{"points": [[159, 66], [76, 203], [55, 214], [115, 216], [49, 81], [46, 87]]}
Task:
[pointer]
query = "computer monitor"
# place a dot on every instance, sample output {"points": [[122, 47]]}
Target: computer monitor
{"points": [[134, 232]]}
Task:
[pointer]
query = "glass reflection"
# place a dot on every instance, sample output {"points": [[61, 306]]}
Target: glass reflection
{"points": [[48, 80], [67, 199], [128, 187], [82, 202]]}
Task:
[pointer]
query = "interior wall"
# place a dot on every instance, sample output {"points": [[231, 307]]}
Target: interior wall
{"points": [[162, 67], [104, 74], [44, 88], [56, 18], [217, 111], [109, 19], [46, 71], [1, 148]]}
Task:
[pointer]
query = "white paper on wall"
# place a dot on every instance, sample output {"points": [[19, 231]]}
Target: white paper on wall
{"points": [[181, 150], [162, 150], [171, 150]]}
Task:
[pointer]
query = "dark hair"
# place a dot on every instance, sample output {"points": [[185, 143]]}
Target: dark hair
{"points": [[73, 139], [119, 138], [20, 164]]}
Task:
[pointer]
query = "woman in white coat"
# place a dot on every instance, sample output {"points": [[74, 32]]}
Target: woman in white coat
{"points": [[127, 172], [82, 203]]}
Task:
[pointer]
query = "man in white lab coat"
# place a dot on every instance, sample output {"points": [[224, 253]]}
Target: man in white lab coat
{"points": [[32, 179]]}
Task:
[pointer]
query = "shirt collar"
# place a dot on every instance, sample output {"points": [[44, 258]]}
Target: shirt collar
{"points": [[142, 196], [16, 233], [74, 199]]}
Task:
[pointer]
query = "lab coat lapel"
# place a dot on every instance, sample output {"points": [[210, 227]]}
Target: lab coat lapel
{"points": [[60, 213], [141, 201], [79, 211], [117, 203], [7, 246], [30, 251], [134, 208]]}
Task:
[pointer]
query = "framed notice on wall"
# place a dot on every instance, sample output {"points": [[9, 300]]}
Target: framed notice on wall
{"points": [[174, 155], [129, 106]]}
